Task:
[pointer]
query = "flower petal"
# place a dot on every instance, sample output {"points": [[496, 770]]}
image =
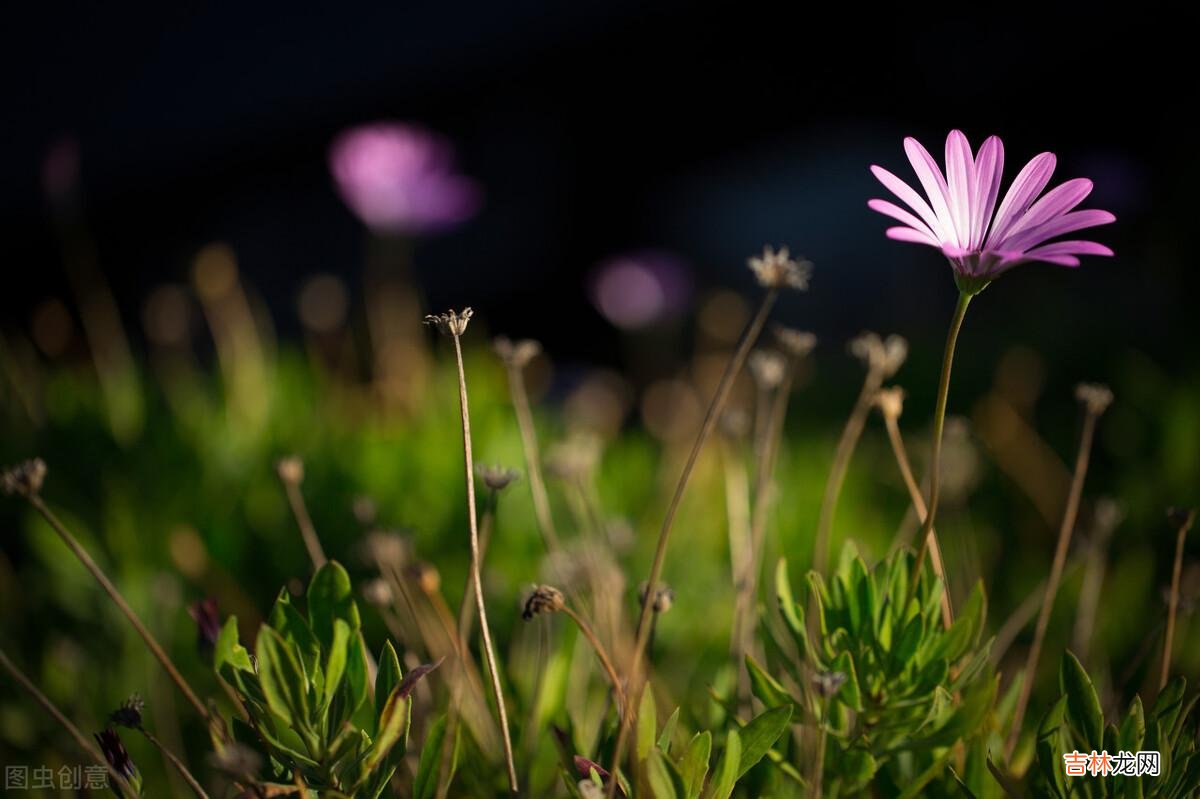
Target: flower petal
{"points": [[896, 212], [1069, 248], [1056, 226], [1056, 202], [909, 197], [1028, 183], [910, 235], [934, 184], [989, 167], [960, 177]]}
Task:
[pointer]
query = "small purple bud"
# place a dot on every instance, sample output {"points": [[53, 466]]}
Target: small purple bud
{"points": [[115, 754]]}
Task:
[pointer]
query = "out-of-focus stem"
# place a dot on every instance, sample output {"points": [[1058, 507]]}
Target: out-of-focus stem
{"points": [[118, 600], [602, 654], [304, 522], [476, 579], [533, 460], [1056, 571], [710, 420], [841, 462], [1185, 523], [43, 700], [914, 493]]}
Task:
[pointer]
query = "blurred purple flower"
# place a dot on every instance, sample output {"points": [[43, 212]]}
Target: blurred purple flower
{"points": [[115, 754], [958, 219], [401, 179], [639, 288], [208, 625]]}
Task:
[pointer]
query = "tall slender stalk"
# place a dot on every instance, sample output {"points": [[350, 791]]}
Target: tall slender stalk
{"points": [[454, 325], [291, 474], [660, 551], [515, 357], [939, 423], [177, 763], [1183, 520], [890, 404], [26, 480], [841, 463], [1095, 400], [43, 700]]}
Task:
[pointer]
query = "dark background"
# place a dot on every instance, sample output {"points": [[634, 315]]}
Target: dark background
{"points": [[601, 127]]}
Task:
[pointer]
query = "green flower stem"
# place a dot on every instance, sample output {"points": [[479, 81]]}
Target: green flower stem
{"points": [[939, 422]]}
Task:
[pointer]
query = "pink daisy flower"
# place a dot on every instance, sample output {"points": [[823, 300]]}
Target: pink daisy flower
{"points": [[959, 215]]}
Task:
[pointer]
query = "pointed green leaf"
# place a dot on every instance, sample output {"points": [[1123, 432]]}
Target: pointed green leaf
{"points": [[760, 735], [725, 776], [282, 678], [668, 732], [228, 652], [662, 784], [694, 766], [425, 783], [335, 663], [388, 676], [849, 693], [331, 597], [1083, 705], [647, 724]]}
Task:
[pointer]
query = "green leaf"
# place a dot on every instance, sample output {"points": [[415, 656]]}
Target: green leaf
{"points": [[668, 732], [848, 693], [1083, 705], [425, 783], [725, 776], [335, 664], [1051, 744], [282, 678], [1133, 728], [647, 724], [330, 597], [858, 767], [1169, 702], [658, 774], [760, 735], [964, 633], [388, 676], [393, 722], [767, 688], [694, 765], [228, 652]]}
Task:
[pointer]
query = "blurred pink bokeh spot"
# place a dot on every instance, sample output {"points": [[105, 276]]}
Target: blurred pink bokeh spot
{"points": [[401, 179], [637, 289]]}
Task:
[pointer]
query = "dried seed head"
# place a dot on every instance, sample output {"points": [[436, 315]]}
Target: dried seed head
{"points": [[796, 343], [290, 470], [496, 478], [426, 576], [378, 592], [516, 354], [25, 479], [664, 597], [129, 714], [1095, 397], [884, 356], [451, 323], [767, 367], [775, 269], [890, 401], [1181, 518], [544, 599], [828, 682], [387, 549]]}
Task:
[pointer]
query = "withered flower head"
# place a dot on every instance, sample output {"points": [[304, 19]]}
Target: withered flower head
{"points": [[544, 599], [378, 592], [451, 323], [1095, 397], [25, 479], [890, 401], [1181, 518], [664, 597], [884, 356], [767, 367], [775, 269], [387, 549], [516, 354], [208, 625], [129, 714], [828, 682], [290, 469], [796, 343], [115, 754], [495, 477]]}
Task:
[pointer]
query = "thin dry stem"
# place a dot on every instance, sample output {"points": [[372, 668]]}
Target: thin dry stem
{"points": [[476, 579], [177, 763], [118, 600], [710, 420], [602, 654], [43, 700], [1056, 571], [914, 493], [533, 460], [304, 522], [1185, 524]]}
